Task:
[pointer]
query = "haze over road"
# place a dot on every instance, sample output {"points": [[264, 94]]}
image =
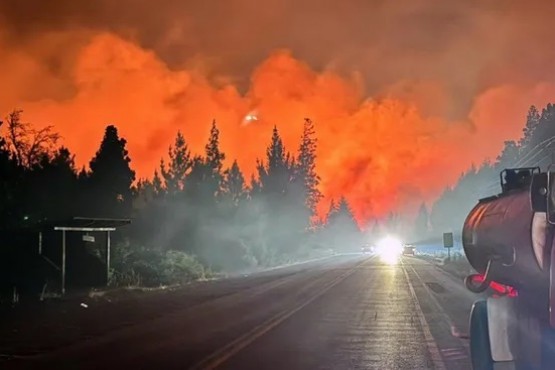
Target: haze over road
{"points": [[344, 312]]}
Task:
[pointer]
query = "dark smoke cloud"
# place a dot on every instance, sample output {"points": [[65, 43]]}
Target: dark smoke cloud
{"points": [[448, 81], [465, 45]]}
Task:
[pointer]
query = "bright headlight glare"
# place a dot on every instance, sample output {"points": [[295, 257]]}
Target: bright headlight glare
{"points": [[390, 249]]}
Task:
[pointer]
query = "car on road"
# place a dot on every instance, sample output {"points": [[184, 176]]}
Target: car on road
{"points": [[366, 249], [409, 250]]}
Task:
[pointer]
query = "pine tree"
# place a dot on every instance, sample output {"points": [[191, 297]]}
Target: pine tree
{"points": [[276, 173], [341, 227], [532, 122], [306, 166], [214, 156], [159, 190], [256, 186], [144, 194], [234, 184], [451, 208], [51, 187], [275, 153], [214, 159], [278, 198], [154, 218], [544, 131], [344, 210], [111, 176], [179, 166], [509, 156], [203, 191], [332, 211]]}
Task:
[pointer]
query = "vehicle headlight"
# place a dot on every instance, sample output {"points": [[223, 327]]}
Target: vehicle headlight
{"points": [[389, 249]]}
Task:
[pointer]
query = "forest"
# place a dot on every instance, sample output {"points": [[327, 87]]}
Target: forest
{"points": [[192, 220], [535, 148], [196, 218]]}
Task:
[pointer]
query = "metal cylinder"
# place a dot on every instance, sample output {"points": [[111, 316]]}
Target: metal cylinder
{"points": [[506, 231]]}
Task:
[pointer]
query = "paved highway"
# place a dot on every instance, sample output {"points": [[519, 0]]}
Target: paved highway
{"points": [[344, 312]]}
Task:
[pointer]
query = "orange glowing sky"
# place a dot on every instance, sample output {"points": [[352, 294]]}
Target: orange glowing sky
{"points": [[404, 97]]}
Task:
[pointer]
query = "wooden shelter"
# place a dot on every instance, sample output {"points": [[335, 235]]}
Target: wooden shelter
{"points": [[83, 225]]}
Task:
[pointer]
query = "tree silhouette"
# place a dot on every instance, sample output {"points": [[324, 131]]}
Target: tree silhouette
{"points": [[157, 185], [214, 160], [4, 152], [540, 136], [179, 165], [193, 206], [275, 174], [205, 178], [509, 156], [203, 190], [451, 208], [342, 230], [306, 166], [27, 144], [200, 187], [532, 122], [10, 193], [332, 211], [214, 156], [111, 177], [234, 184], [53, 187], [533, 149], [279, 199]]}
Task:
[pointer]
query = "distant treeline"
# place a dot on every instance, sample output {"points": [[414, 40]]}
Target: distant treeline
{"points": [[535, 148], [193, 218]]}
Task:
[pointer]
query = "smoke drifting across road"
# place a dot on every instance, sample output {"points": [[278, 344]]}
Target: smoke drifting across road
{"points": [[405, 95]]}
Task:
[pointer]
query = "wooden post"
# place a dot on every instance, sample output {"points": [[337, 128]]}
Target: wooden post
{"points": [[63, 261], [107, 257]]}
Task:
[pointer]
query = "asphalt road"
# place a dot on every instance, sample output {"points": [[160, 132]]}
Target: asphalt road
{"points": [[345, 312]]}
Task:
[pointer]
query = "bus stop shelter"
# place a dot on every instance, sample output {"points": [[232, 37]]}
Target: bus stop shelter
{"points": [[83, 225]]}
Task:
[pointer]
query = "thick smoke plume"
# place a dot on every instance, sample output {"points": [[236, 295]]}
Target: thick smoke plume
{"points": [[405, 95]]}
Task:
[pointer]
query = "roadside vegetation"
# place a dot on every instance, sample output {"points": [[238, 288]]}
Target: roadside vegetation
{"points": [[197, 217]]}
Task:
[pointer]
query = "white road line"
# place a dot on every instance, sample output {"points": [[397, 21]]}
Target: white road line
{"points": [[442, 312], [430, 342]]}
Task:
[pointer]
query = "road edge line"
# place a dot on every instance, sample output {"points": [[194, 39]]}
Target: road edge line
{"points": [[431, 344], [442, 311]]}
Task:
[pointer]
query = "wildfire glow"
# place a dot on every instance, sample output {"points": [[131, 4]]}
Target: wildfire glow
{"points": [[384, 140]]}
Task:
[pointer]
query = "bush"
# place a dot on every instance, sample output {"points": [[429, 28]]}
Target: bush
{"points": [[179, 267], [141, 266]]}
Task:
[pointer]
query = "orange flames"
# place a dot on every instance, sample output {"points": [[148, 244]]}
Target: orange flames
{"points": [[384, 154]]}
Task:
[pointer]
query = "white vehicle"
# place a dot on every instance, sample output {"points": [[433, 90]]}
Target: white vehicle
{"points": [[409, 250], [367, 249]]}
